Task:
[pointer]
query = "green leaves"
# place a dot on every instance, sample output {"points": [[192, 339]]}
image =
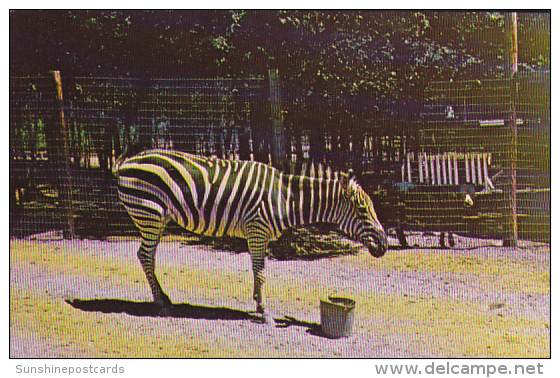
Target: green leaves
{"points": [[342, 53]]}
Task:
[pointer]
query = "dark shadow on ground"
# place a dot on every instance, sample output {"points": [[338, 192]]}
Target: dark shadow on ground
{"points": [[181, 310], [288, 321], [185, 310]]}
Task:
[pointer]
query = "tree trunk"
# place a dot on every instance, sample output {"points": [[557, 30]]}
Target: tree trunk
{"points": [[511, 231]]}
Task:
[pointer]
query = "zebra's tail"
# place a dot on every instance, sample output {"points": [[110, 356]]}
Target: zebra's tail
{"points": [[125, 155]]}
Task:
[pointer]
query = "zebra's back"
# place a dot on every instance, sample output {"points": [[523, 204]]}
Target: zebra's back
{"points": [[208, 196]]}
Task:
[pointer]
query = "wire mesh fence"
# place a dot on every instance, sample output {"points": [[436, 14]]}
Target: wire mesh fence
{"points": [[445, 168], [472, 133], [102, 115]]}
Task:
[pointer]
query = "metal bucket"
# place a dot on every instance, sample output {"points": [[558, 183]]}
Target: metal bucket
{"points": [[337, 317]]}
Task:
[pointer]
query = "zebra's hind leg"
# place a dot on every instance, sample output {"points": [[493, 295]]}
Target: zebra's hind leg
{"points": [[402, 237], [147, 257], [258, 243], [451, 239], [442, 239]]}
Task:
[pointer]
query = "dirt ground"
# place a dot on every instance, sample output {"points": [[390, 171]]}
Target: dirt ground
{"points": [[89, 298]]}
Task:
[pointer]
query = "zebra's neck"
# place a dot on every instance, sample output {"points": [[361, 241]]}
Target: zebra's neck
{"points": [[314, 200]]}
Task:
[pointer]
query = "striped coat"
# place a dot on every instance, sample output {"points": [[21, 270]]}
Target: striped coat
{"points": [[247, 199]]}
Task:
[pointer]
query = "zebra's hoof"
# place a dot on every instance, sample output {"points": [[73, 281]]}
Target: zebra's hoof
{"points": [[262, 318], [265, 316], [165, 311], [268, 319], [163, 305]]}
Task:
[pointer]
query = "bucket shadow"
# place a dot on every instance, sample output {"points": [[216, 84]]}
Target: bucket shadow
{"points": [[312, 328], [181, 310]]}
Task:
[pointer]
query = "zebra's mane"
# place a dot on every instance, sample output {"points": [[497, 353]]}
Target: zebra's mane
{"points": [[312, 170]]}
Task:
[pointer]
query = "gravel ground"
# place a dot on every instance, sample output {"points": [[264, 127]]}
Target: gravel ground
{"points": [[89, 298]]}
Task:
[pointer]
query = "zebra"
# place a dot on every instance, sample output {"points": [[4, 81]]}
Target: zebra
{"points": [[252, 200], [464, 191]]}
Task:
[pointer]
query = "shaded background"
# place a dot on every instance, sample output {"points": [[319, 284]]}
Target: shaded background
{"points": [[413, 102]]}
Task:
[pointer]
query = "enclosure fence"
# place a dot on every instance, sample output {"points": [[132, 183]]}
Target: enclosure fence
{"points": [[101, 116], [490, 136], [420, 169]]}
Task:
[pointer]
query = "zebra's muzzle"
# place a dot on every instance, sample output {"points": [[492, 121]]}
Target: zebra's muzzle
{"points": [[376, 244]]}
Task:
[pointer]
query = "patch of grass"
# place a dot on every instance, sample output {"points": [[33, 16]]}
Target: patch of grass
{"points": [[311, 243]]}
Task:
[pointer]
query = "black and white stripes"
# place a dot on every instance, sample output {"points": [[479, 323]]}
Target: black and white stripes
{"points": [[247, 199]]}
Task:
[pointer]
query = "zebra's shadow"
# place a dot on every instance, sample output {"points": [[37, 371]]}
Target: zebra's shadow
{"points": [[185, 310], [181, 310]]}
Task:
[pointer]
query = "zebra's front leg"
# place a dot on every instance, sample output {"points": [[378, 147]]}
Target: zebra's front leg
{"points": [[258, 297], [257, 291]]}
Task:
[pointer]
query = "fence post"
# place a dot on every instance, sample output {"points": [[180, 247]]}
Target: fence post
{"points": [[456, 168], [66, 195], [278, 143], [511, 231], [420, 166]]}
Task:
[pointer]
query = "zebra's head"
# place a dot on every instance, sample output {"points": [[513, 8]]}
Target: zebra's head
{"points": [[361, 222]]}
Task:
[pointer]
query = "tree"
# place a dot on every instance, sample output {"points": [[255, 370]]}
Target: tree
{"points": [[339, 67]]}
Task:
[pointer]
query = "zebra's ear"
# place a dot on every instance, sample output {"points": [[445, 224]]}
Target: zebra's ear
{"points": [[345, 182]]}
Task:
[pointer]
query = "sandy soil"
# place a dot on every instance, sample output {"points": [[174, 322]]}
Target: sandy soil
{"points": [[88, 298]]}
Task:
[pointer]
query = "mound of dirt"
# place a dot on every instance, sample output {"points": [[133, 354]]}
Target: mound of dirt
{"points": [[309, 243]]}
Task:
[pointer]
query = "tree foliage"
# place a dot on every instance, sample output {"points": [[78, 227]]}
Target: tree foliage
{"points": [[384, 53], [336, 66]]}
